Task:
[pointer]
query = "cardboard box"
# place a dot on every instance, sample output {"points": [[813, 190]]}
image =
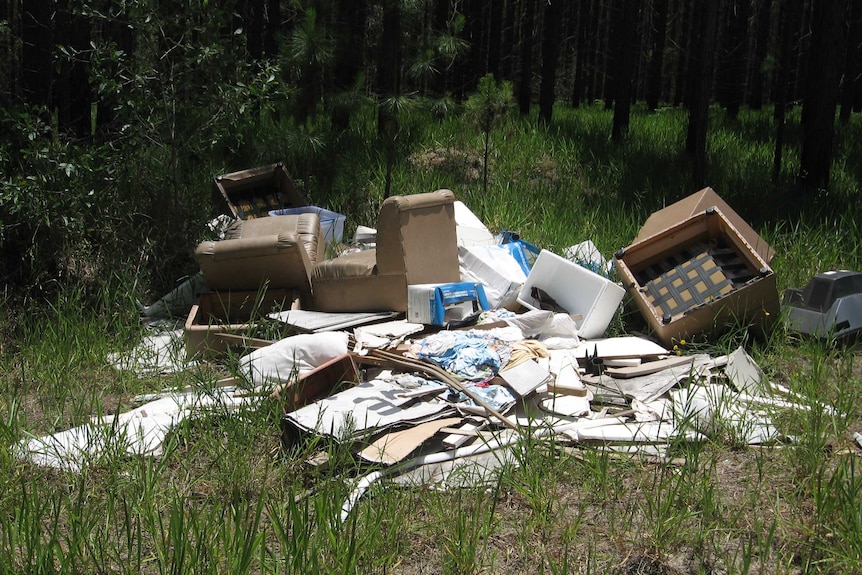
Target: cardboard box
{"points": [[317, 384], [216, 316], [320, 382], [254, 192], [696, 203], [696, 276], [555, 281], [439, 304]]}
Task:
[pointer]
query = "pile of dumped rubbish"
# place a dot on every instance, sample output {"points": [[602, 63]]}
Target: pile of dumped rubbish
{"points": [[430, 345]]}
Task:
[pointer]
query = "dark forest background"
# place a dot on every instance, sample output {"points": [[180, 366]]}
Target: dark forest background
{"points": [[117, 114]]}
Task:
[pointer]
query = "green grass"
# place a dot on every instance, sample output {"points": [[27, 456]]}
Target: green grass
{"points": [[225, 498]]}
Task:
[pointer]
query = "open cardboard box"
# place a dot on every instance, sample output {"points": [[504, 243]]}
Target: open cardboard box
{"points": [[220, 320], [253, 193], [694, 204], [318, 383], [698, 275]]}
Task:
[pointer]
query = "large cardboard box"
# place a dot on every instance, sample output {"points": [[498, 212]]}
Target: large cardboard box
{"points": [[696, 203], [253, 193], [554, 282], [696, 276], [218, 318]]}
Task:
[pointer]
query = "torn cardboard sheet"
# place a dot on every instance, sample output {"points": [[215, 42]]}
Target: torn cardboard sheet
{"points": [[385, 335], [141, 431], [319, 321], [394, 446], [155, 354], [371, 405]]}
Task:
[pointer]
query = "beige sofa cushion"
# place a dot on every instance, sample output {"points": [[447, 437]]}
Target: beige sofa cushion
{"points": [[305, 226], [277, 251], [357, 264]]}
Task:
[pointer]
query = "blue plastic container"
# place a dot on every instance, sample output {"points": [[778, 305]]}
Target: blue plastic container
{"points": [[331, 223]]}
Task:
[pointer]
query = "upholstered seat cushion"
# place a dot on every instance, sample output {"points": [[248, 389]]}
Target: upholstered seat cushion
{"points": [[357, 264], [305, 226]]}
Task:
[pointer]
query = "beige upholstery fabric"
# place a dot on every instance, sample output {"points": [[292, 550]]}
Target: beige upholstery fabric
{"points": [[416, 243], [279, 251], [348, 266], [306, 226]]}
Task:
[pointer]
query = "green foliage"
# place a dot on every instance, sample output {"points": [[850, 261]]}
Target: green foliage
{"points": [[62, 216], [488, 108]]}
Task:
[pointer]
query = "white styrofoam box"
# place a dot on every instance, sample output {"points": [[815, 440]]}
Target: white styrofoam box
{"points": [[576, 289], [469, 229], [496, 269]]}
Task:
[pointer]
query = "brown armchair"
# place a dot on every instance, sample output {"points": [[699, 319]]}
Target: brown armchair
{"points": [[416, 244], [278, 251]]}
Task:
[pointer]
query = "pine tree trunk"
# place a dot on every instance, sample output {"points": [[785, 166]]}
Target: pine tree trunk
{"points": [[625, 69], [734, 48], [852, 69], [787, 37], [72, 95], [654, 77], [525, 89], [273, 28], [580, 55], [550, 54], [705, 17], [756, 74], [350, 27], [37, 75], [495, 40], [818, 110]]}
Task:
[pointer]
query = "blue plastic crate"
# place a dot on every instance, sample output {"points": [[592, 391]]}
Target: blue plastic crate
{"points": [[331, 223]]}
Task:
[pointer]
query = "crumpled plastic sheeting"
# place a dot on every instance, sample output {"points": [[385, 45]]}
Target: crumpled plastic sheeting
{"points": [[141, 431], [155, 354], [292, 356], [496, 397], [555, 330]]}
